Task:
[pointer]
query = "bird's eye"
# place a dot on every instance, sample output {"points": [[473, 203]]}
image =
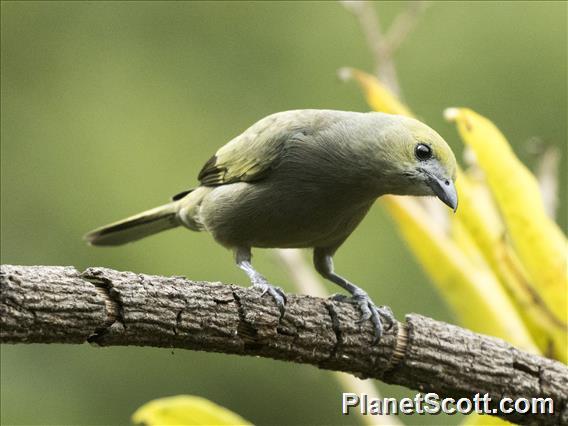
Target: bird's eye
{"points": [[423, 152]]}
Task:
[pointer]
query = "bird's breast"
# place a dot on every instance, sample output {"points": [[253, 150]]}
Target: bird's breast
{"points": [[284, 214]]}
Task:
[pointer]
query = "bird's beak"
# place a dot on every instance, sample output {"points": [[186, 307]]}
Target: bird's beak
{"points": [[445, 190]]}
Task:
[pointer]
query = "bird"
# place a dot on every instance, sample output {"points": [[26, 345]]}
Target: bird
{"points": [[303, 179]]}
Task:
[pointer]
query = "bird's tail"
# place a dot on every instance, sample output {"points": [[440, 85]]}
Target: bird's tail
{"points": [[136, 227]]}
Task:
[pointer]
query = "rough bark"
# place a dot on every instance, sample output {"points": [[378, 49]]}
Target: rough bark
{"points": [[54, 304]]}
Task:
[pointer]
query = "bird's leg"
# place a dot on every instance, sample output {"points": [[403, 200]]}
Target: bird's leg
{"points": [[324, 265], [243, 259]]}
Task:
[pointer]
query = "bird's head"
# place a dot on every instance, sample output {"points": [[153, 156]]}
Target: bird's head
{"points": [[420, 162]]}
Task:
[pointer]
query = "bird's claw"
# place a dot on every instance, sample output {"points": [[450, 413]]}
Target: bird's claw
{"points": [[276, 293], [339, 297], [370, 312], [387, 315]]}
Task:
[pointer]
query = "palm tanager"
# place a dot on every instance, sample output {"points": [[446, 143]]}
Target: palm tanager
{"points": [[302, 179]]}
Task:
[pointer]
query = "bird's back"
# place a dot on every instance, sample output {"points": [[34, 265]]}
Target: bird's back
{"points": [[309, 194]]}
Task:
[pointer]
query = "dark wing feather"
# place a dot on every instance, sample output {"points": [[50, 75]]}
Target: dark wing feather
{"points": [[182, 194], [247, 158]]}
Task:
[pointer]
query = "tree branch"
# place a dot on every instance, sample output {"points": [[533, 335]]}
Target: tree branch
{"points": [[308, 282], [54, 304]]}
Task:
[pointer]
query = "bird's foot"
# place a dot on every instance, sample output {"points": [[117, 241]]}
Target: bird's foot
{"points": [[276, 293], [369, 311]]}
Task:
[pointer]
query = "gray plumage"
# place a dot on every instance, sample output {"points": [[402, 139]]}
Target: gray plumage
{"points": [[303, 178]]}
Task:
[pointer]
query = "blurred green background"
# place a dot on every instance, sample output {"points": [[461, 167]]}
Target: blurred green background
{"points": [[109, 108]]}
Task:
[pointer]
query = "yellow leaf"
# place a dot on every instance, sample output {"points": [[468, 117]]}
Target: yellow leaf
{"points": [[484, 420], [378, 96], [470, 243], [539, 243], [185, 410], [547, 330], [471, 288], [466, 242], [478, 213]]}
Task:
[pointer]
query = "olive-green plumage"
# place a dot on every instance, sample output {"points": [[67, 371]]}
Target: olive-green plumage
{"points": [[302, 178]]}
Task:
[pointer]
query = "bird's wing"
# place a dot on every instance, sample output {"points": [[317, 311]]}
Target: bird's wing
{"points": [[241, 163], [250, 156]]}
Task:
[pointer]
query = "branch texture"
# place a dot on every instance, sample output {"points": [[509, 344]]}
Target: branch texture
{"points": [[54, 304]]}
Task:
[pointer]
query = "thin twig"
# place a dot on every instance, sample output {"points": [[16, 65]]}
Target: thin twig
{"points": [[384, 44], [403, 25], [302, 273], [382, 54], [547, 175]]}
